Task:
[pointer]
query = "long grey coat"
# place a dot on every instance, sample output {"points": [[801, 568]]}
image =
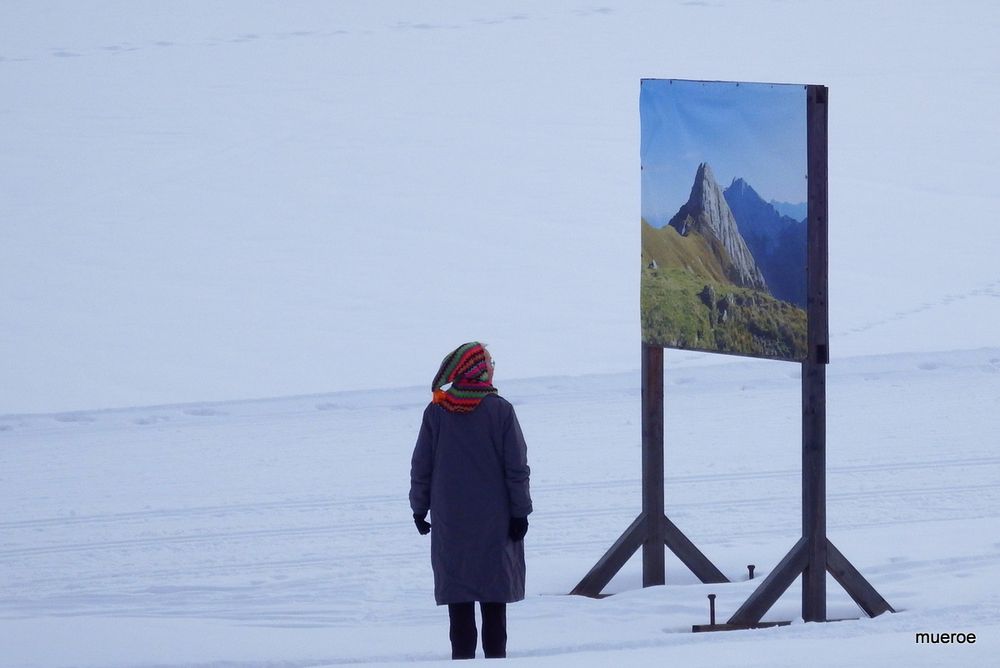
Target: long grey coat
{"points": [[471, 471]]}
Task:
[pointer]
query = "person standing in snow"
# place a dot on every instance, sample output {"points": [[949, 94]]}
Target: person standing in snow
{"points": [[470, 470]]}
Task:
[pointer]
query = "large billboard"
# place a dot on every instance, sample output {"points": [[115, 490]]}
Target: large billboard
{"points": [[724, 217]]}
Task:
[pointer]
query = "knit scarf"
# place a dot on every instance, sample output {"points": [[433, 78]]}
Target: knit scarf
{"points": [[467, 371]]}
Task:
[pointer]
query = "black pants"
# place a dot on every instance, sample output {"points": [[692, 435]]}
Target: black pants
{"points": [[463, 630]]}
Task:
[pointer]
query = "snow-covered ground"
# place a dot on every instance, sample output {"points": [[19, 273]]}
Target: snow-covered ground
{"points": [[204, 204], [276, 533]]}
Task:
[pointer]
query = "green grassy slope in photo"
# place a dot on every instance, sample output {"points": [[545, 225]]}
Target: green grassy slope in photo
{"points": [[687, 302]]}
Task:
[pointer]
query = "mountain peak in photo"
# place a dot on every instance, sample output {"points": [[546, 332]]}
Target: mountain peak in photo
{"points": [[741, 188], [778, 242], [707, 214]]}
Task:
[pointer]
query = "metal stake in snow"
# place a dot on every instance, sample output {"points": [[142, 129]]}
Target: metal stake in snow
{"points": [[750, 568], [711, 609]]}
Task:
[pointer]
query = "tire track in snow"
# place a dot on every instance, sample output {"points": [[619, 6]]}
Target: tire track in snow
{"points": [[367, 527], [389, 499]]}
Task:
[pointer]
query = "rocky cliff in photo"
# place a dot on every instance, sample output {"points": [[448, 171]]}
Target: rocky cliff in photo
{"points": [[707, 215]]}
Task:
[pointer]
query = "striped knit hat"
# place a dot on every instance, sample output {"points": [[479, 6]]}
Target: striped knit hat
{"points": [[468, 372]]}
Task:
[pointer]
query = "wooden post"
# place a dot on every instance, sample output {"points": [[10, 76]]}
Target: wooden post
{"points": [[652, 529], [653, 570], [814, 367], [813, 555], [814, 491]]}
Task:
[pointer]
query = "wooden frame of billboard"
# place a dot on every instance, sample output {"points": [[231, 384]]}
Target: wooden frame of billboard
{"points": [[813, 555]]}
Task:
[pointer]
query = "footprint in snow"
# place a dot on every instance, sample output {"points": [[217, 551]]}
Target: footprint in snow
{"points": [[73, 417], [927, 366], [152, 419], [203, 412]]}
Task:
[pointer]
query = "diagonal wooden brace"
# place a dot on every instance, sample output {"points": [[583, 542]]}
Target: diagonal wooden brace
{"points": [[773, 586], [854, 583], [600, 575], [690, 555]]}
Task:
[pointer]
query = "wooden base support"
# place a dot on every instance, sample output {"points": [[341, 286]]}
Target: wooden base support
{"points": [[638, 535], [794, 564]]}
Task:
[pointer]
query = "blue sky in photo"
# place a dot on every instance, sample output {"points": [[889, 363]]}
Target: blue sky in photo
{"points": [[750, 130]]}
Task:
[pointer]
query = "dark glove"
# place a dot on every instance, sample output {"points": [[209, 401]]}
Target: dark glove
{"points": [[518, 527], [423, 526]]}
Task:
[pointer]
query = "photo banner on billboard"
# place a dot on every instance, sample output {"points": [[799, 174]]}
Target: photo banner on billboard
{"points": [[724, 217]]}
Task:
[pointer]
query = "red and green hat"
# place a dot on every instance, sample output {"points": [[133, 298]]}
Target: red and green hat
{"points": [[467, 370]]}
